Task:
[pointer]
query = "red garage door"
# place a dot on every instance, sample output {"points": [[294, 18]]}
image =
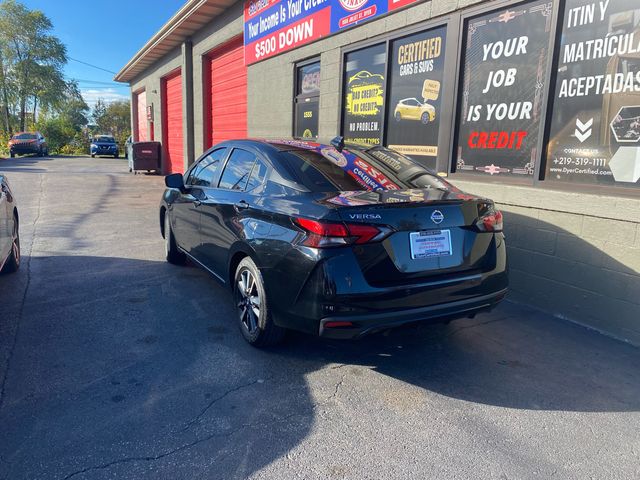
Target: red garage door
{"points": [[141, 117], [173, 123], [227, 99]]}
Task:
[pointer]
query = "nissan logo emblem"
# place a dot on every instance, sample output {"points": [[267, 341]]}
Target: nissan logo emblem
{"points": [[437, 217]]}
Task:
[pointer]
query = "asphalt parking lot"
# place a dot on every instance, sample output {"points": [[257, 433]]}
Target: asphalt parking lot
{"points": [[115, 364]]}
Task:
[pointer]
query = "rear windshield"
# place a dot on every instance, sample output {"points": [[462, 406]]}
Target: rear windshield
{"points": [[105, 139], [25, 136], [326, 170]]}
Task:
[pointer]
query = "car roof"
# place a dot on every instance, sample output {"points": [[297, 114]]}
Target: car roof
{"points": [[275, 145]]}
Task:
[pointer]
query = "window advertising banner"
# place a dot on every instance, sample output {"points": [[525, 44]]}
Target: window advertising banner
{"points": [[307, 101], [415, 82], [595, 127], [307, 118], [275, 26], [502, 90], [364, 95]]}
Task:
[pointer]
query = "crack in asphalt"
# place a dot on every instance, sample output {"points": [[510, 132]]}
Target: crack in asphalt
{"points": [[23, 301], [337, 388], [197, 441], [181, 448], [195, 419]]}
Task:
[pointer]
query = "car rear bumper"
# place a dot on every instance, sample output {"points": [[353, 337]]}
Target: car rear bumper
{"points": [[364, 324], [336, 290]]}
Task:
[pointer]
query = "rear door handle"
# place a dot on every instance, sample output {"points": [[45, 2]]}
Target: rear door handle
{"points": [[241, 205]]}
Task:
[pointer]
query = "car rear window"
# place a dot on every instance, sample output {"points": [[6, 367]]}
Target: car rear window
{"points": [[326, 170], [316, 173], [25, 136]]}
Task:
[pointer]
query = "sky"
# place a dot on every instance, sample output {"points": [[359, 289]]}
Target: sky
{"points": [[105, 34]]}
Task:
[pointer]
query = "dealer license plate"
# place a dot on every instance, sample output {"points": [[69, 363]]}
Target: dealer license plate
{"points": [[430, 243]]}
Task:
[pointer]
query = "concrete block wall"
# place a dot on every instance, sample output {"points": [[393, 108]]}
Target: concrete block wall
{"points": [[574, 255]]}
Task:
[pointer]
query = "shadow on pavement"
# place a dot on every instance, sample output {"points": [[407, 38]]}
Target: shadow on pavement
{"points": [[122, 362]]}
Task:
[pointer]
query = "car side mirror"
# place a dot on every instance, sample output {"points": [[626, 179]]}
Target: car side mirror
{"points": [[175, 180]]}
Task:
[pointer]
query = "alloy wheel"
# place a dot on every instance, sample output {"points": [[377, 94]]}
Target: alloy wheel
{"points": [[16, 244], [248, 300]]}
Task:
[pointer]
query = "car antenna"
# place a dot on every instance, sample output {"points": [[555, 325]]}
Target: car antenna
{"points": [[338, 143]]}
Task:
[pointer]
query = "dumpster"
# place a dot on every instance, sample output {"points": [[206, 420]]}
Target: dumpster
{"points": [[144, 156]]}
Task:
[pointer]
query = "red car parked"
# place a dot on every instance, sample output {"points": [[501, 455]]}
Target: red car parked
{"points": [[28, 142]]}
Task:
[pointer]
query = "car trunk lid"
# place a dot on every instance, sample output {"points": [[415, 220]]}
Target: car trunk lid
{"points": [[433, 233]]}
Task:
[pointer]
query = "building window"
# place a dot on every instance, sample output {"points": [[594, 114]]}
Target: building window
{"points": [[414, 104], [307, 100], [364, 95], [501, 107], [594, 136]]}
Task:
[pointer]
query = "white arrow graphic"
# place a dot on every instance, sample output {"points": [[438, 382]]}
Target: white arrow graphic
{"points": [[583, 130], [584, 126]]}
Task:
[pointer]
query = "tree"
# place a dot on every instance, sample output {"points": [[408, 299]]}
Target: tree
{"points": [[70, 106], [63, 120], [113, 118], [99, 110], [31, 61]]}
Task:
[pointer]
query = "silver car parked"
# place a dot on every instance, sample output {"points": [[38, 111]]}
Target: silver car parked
{"points": [[9, 231]]}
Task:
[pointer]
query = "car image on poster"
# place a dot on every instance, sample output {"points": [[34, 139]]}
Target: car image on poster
{"points": [[417, 65]]}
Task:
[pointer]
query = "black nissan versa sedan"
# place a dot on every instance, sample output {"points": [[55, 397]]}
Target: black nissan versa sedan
{"points": [[334, 240]]}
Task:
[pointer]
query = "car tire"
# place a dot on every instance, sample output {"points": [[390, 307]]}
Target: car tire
{"points": [[13, 262], [398, 116], [254, 315], [116, 156], [425, 118], [12, 154], [93, 156], [172, 253]]}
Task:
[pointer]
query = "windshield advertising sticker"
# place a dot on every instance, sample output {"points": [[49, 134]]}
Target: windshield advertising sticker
{"points": [[502, 90], [417, 64], [364, 95], [595, 127], [275, 26]]}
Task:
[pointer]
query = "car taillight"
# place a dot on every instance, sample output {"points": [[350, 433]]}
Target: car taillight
{"points": [[490, 222], [332, 234]]}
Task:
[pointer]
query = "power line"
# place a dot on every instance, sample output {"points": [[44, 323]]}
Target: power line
{"points": [[97, 82], [91, 65]]}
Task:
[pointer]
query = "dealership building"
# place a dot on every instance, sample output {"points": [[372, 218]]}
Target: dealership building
{"points": [[535, 104]]}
